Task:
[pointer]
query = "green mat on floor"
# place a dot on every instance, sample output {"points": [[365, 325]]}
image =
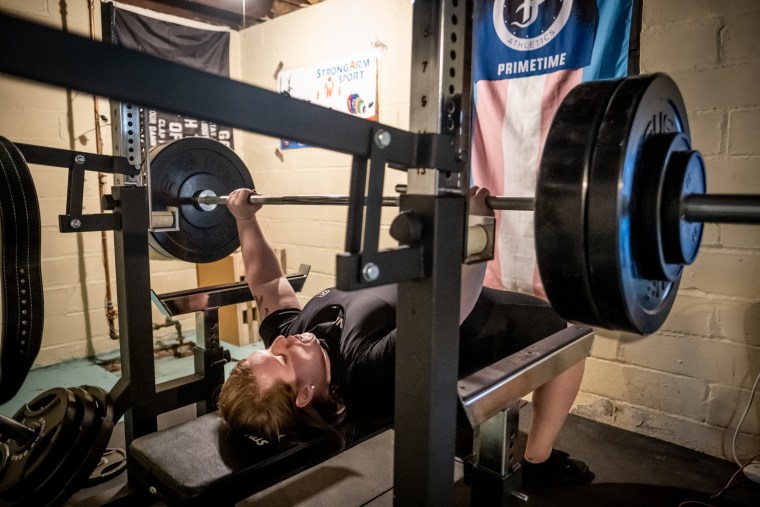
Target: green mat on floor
{"points": [[86, 371]]}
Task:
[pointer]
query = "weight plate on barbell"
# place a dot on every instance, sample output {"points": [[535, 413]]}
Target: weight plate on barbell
{"points": [[560, 206], [686, 176], [178, 171], [667, 170], [640, 107]]}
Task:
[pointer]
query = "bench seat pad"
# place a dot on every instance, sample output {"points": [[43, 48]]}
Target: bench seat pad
{"points": [[198, 463]]}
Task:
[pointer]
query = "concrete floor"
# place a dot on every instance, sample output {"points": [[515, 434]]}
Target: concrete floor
{"points": [[629, 470]]}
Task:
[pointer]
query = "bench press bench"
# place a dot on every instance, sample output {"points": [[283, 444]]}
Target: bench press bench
{"points": [[198, 463]]}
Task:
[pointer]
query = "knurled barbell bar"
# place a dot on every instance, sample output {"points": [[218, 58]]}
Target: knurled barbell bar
{"points": [[206, 200], [718, 208], [618, 210]]}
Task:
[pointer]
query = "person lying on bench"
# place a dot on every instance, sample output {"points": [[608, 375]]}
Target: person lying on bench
{"points": [[338, 352]]}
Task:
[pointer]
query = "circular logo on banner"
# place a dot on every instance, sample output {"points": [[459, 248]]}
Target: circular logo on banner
{"points": [[525, 25], [355, 104]]}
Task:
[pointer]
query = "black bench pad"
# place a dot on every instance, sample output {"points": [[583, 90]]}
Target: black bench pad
{"points": [[198, 463]]}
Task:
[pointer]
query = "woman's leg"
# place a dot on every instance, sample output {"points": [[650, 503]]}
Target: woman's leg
{"points": [[501, 324], [551, 404]]}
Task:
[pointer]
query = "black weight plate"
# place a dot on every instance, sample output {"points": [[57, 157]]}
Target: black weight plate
{"points": [[640, 107], [560, 205], [55, 414], [4, 453], [112, 463], [106, 415], [106, 411], [647, 206], [178, 171], [93, 445], [55, 488], [685, 176], [105, 406]]}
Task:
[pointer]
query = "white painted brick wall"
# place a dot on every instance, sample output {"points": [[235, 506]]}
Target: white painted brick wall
{"points": [[726, 87], [712, 360], [314, 235], [669, 12], [657, 390], [739, 40], [689, 383], [725, 271], [744, 126], [72, 264], [700, 51]]}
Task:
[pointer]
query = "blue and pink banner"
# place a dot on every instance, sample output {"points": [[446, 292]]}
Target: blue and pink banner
{"points": [[528, 55]]}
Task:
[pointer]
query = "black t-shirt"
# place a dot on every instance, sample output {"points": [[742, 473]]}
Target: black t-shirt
{"points": [[358, 331]]}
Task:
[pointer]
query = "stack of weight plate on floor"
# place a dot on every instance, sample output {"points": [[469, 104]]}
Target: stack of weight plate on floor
{"points": [[71, 429]]}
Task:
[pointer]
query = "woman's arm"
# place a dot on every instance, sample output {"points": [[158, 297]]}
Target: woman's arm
{"points": [[268, 284]]}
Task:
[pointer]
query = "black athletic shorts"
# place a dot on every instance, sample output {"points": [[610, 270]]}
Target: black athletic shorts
{"points": [[502, 323]]}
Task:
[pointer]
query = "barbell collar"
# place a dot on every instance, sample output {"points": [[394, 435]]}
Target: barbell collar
{"points": [[496, 202], [164, 220], [721, 208]]}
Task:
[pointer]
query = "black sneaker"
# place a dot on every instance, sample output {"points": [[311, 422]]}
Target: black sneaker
{"points": [[558, 468]]}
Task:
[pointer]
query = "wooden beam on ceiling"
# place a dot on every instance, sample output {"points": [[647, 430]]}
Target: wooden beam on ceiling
{"points": [[224, 12]]}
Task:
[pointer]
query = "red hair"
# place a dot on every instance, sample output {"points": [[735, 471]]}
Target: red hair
{"points": [[273, 413]]}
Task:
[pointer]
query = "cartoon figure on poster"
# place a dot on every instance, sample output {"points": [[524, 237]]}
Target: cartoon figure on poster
{"points": [[347, 84]]}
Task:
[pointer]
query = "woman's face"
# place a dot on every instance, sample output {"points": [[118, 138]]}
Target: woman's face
{"points": [[297, 360]]}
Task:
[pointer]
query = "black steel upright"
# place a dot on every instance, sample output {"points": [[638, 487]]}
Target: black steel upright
{"points": [[135, 316], [427, 348], [427, 353]]}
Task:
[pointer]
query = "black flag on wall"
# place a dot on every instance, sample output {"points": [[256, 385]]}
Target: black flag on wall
{"points": [[202, 49]]}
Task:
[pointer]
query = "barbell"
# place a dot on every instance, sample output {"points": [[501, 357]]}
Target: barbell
{"points": [[619, 205], [718, 208], [206, 200]]}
